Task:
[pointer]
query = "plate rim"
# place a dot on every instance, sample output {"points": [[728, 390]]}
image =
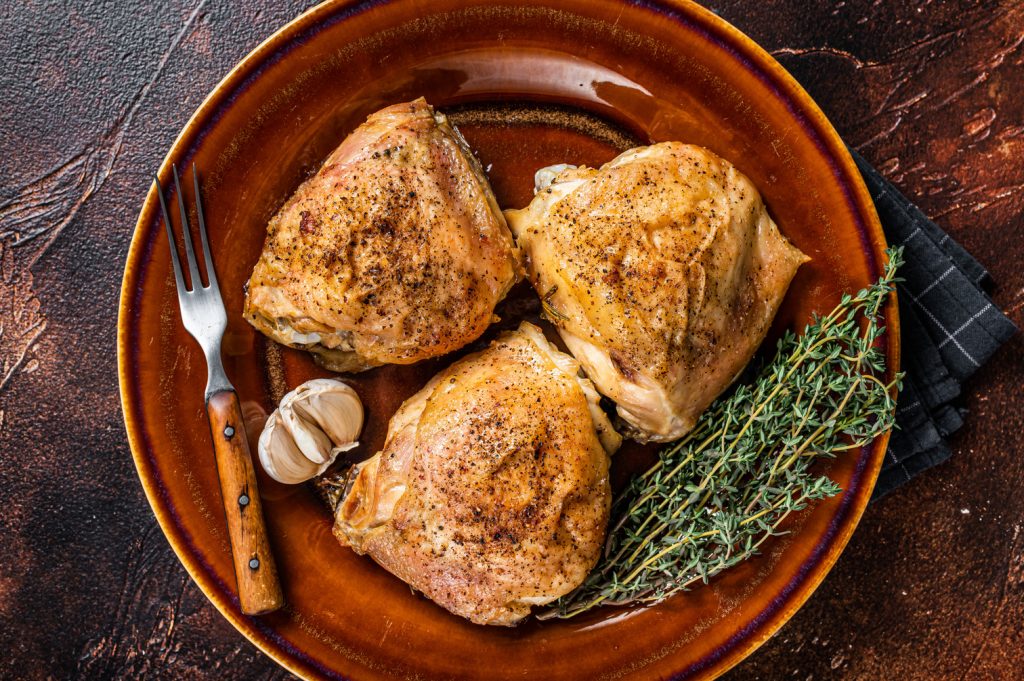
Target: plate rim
{"points": [[746, 50]]}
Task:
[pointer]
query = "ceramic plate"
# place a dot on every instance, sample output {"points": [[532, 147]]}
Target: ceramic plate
{"points": [[529, 85]]}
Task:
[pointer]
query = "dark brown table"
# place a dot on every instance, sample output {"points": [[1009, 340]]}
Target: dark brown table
{"points": [[932, 585]]}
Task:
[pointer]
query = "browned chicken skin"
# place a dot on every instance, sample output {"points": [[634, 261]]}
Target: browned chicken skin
{"points": [[662, 271], [491, 494], [395, 251]]}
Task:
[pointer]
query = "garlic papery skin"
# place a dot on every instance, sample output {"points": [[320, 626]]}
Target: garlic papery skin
{"points": [[312, 425]]}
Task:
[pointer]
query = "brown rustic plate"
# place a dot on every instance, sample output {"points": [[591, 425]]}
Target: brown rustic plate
{"points": [[529, 85]]}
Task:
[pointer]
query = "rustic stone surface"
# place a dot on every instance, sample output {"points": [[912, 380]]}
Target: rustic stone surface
{"points": [[932, 585]]}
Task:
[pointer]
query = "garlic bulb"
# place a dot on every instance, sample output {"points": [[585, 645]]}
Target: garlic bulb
{"points": [[312, 425]]}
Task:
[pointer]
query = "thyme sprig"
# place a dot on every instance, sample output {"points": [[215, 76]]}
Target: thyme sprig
{"points": [[718, 494]]}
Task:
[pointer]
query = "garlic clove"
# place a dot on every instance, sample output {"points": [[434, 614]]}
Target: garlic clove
{"points": [[312, 425], [336, 411], [280, 458], [306, 434]]}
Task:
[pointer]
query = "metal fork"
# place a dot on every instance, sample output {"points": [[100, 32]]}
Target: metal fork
{"points": [[203, 315]]}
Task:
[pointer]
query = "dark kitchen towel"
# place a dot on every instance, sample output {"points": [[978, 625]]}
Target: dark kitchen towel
{"points": [[949, 325]]}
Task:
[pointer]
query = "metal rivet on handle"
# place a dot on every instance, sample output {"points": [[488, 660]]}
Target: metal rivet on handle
{"points": [[229, 431], [243, 500], [254, 563]]}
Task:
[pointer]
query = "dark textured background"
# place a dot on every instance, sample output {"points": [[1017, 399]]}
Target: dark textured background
{"points": [[932, 585]]}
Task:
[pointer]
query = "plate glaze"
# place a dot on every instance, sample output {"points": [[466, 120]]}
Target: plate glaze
{"points": [[528, 86]]}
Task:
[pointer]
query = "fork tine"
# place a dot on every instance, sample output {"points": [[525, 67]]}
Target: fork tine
{"points": [[211, 274], [193, 269], [178, 280]]}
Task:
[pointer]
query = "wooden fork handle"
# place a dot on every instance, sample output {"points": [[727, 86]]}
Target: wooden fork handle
{"points": [[258, 587]]}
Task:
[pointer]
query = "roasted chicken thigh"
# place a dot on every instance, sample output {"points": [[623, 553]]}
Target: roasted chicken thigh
{"points": [[662, 271], [491, 494], [395, 251]]}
